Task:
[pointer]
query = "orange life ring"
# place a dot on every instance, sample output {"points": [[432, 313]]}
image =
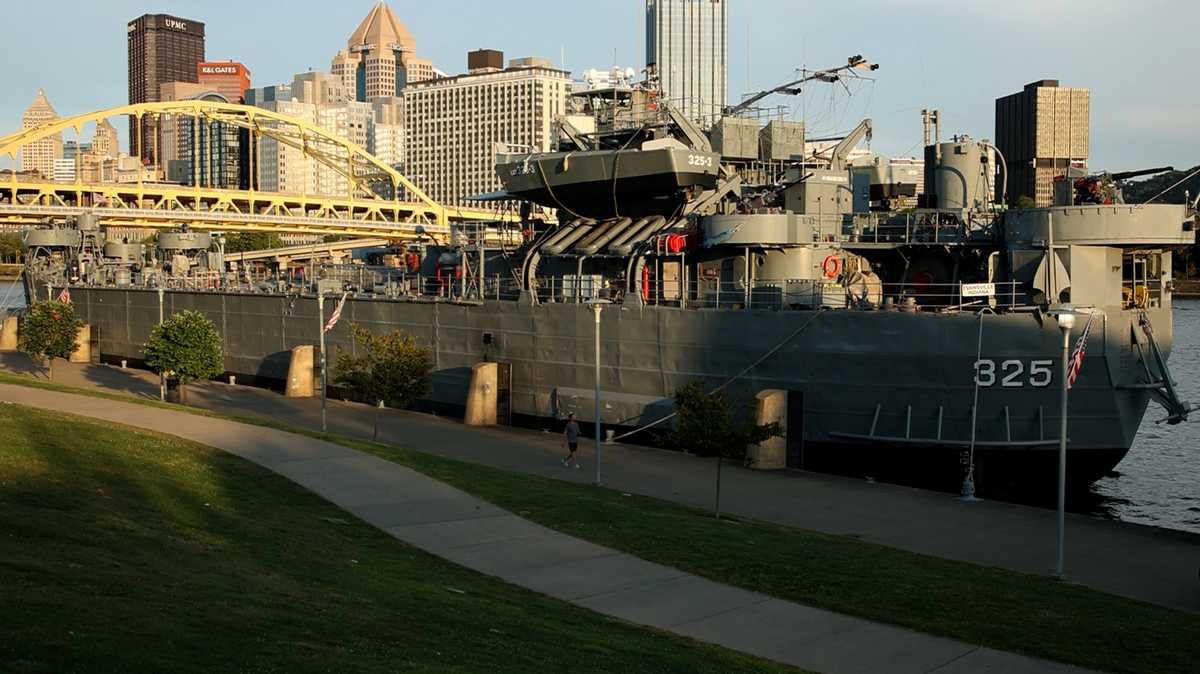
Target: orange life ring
{"points": [[832, 266]]}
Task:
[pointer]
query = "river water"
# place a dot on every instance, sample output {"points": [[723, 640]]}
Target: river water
{"points": [[1158, 483], [12, 293]]}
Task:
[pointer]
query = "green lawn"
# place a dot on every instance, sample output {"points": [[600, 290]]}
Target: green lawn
{"points": [[1023, 613], [122, 550]]}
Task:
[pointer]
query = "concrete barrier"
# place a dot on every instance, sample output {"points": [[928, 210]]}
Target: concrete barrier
{"points": [[83, 345], [770, 406], [481, 395], [300, 373], [8, 334]]}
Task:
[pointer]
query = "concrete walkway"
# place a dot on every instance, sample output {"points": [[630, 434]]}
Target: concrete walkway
{"points": [[1139, 562], [461, 528]]}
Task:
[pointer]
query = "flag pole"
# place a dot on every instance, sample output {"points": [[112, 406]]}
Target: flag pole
{"points": [[321, 330]]}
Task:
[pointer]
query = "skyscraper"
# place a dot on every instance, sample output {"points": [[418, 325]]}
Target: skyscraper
{"points": [[380, 58], [687, 49], [228, 78], [1041, 131], [105, 142], [162, 49], [40, 155]]}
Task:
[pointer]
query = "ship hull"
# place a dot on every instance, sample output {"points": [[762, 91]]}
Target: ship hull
{"points": [[869, 393]]}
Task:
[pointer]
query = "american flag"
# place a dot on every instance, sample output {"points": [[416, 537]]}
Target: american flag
{"points": [[65, 295], [337, 314], [1078, 354]]}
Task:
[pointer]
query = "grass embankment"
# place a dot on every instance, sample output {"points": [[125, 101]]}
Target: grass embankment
{"points": [[1023, 613], [122, 550]]}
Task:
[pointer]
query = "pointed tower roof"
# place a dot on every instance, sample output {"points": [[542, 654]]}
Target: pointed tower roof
{"points": [[382, 28], [41, 104]]}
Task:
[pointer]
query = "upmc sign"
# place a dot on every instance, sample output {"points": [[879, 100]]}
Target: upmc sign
{"points": [[175, 23]]}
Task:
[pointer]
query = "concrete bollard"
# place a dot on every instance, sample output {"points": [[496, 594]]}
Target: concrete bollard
{"points": [[481, 396], [8, 334], [300, 373], [83, 345], [770, 406]]}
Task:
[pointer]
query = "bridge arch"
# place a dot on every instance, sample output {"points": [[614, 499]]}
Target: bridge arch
{"points": [[364, 172]]}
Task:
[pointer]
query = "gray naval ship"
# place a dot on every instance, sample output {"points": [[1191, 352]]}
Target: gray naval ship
{"points": [[902, 339]]}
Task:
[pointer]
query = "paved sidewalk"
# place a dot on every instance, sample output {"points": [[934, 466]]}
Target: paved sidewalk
{"points": [[1144, 563], [452, 524]]}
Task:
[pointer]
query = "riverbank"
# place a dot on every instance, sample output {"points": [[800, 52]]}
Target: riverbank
{"points": [[842, 571], [1187, 289]]}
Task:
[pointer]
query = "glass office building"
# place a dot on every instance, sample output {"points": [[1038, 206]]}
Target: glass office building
{"points": [[687, 49]]}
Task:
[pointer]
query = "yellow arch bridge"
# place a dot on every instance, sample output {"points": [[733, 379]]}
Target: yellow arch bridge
{"points": [[379, 201]]}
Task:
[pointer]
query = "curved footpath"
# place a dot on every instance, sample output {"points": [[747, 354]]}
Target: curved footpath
{"points": [[473, 533]]}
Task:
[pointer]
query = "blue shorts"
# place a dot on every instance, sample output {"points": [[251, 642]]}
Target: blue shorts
{"points": [[573, 446]]}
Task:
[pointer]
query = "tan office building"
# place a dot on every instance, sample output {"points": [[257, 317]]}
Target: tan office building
{"points": [[454, 126], [40, 155], [380, 58], [1041, 131]]}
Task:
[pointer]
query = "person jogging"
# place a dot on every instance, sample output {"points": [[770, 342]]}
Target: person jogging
{"points": [[571, 437]]}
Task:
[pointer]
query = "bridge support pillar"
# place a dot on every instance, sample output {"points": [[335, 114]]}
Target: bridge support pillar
{"points": [[300, 373], [83, 345], [770, 406], [481, 396], [8, 334]]}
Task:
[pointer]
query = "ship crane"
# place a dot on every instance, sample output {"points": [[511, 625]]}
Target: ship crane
{"points": [[841, 152], [828, 75]]}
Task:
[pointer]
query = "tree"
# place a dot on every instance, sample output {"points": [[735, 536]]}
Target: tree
{"points": [[392, 370], [186, 345], [710, 425], [50, 331], [10, 247], [244, 242], [1025, 201]]}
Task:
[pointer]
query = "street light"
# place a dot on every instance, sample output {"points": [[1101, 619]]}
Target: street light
{"points": [[1066, 323], [597, 305]]}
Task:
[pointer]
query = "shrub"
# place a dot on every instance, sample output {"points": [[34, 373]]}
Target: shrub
{"points": [[392, 369], [710, 425], [49, 331], [186, 345]]}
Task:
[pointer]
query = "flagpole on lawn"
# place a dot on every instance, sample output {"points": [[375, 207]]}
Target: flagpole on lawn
{"points": [[321, 330]]}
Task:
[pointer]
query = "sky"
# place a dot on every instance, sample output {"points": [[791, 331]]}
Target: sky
{"points": [[1138, 58]]}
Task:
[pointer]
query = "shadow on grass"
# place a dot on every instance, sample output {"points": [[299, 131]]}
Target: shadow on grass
{"points": [[132, 551]]}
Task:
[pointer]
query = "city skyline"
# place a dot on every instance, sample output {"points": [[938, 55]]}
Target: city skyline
{"points": [[1137, 118]]}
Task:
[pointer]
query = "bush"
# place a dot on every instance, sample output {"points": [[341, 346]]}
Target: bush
{"points": [[49, 331], [186, 345], [709, 425], [392, 369]]}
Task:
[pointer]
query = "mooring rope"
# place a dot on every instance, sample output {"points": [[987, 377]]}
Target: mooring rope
{"points": [[732, 379]]}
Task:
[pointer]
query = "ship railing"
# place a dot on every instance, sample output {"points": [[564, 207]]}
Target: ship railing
{"points": [[931, 227], [801, 294]]}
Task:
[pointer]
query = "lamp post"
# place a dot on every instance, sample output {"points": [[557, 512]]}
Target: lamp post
{"points": [[597, 305], [1066, 322], [321, 332], [162, 378]]}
